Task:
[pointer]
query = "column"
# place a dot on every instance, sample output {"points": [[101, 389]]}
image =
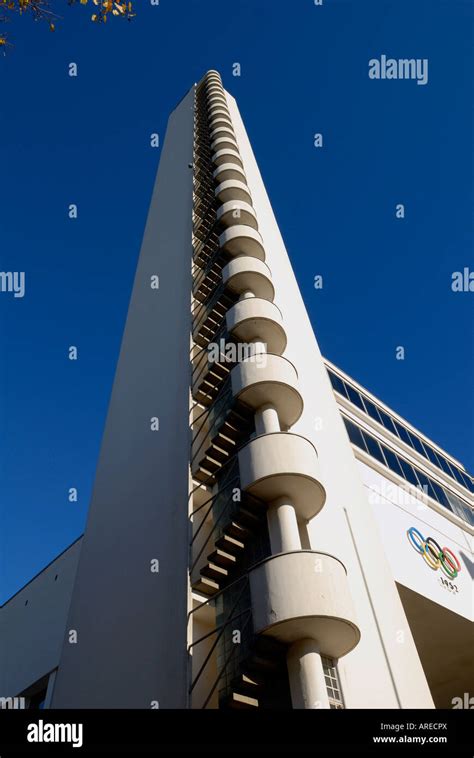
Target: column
{"points": [[306, 675]]}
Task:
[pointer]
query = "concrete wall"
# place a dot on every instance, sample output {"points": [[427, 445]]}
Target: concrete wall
{"points": [[32, 624], [130, 622], [381, 671]]}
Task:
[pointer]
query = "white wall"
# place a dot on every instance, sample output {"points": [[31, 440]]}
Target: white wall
{"points": [[130, 621], [32, 624]]}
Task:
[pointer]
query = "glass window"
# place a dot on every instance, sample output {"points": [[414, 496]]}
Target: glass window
{"points": [[387, 421], [467, 482], [333, 684], [426, 484], [416, 443], [444, 464], [409, 472], [440, 494], [354, 397], [392, 461], [457, 506], [402, 432], [458, 475], [432, 455], [371, 409], [355, 435], [373, 448], [337, 383]]}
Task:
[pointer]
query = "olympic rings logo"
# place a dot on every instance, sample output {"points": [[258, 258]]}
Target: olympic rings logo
{"points": [[434, 555]]}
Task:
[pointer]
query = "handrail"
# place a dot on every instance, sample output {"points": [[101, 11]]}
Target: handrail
{"points": [[227, 661], [206, 306], [231, 461], [211, 533], [226, 398], [227, 621], [217, 336]]}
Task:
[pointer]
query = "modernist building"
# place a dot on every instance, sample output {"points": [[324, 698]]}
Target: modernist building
{"points": [[263, 532]]}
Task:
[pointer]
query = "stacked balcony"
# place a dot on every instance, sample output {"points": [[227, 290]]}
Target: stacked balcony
{"points": [[244, 408]]}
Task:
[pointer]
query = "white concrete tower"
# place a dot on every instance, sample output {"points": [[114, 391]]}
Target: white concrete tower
{"points": [[230, 468], [265, 471]]}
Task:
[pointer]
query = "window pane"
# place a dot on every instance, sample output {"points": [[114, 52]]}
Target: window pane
{"points": [[409, 472], [440, 495], [457, 506], [426, 484], [467, 482], [373, 447], [337, 383], [372, 410], [402, 432], [392, 461], [354, 397], [444, 464], [387, 421], [458, 475], [416, 443], [432, 455], [354, 433]]}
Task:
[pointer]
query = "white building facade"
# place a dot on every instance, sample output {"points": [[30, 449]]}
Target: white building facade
{"points": [[263, 532]]}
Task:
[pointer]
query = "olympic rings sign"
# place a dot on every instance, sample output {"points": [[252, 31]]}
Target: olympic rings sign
{"points": [[434, 555]]}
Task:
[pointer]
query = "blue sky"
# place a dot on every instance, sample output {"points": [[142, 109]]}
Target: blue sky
{"points": [[85, 140]]}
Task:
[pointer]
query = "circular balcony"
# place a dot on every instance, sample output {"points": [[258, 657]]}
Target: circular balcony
{"points": [[238, 212], [232, 190], [222, 131], [229, 171], [218, 110], [242, 240], [223, 143], [219, 120], [281, 464], [255, 318], [214, 87], [216, 101], [304, 594], [216, 98], [245, 273], [227, 156], [269, 379]]}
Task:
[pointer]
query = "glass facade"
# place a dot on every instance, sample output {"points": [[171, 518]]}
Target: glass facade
{"points": [[392, 425], [411, 474]]}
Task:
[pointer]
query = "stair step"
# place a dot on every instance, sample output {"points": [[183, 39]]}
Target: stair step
{"points": [[230, 544], [214, 572], [222, 558], [248, 684], [236, 700], [237, 531], [206, 586]]}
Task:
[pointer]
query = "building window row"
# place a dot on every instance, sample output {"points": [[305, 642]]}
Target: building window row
{"points": [[411, 474], [392, 425]]}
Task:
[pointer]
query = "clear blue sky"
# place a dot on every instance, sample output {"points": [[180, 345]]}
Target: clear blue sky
{"points": [[86, 141]]}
